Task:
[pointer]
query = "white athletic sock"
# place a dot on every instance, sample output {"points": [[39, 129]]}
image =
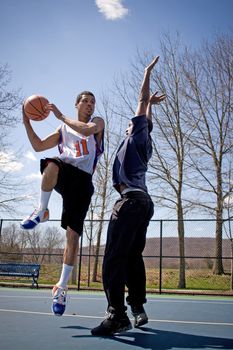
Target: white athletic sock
{"points": [[65, 274], [44, 199]]}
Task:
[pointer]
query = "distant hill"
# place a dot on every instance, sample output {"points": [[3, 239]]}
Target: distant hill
{"points": [[199, 252], [194, 247]]}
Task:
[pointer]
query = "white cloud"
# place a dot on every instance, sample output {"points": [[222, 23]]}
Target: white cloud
{"points": [[9, 162], [30, 155], [112, 9]]}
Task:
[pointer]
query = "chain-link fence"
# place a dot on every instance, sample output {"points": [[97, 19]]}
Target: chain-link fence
{"points": [[196, 259]]}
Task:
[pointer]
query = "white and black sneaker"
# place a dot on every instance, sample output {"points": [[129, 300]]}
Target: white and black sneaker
{"points": [[140, 316], [113, 324]]}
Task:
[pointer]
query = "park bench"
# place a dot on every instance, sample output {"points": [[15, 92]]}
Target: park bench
{"points": [[21, 270]]}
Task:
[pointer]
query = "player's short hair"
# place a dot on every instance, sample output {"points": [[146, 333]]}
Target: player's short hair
{"points": [[83, 93]]}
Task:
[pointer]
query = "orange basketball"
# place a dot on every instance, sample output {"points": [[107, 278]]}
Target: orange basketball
{"points": [[34, 107]]}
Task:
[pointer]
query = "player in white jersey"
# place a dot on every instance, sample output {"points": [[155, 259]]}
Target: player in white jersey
{"points": [[78, 150], [80, 144]]}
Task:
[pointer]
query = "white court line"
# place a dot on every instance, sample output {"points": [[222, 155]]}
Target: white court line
{"points": [[100, 317], [46, 313], [217, 301], [71, 297]]}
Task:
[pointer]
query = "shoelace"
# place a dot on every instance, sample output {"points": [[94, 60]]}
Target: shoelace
{"points": [[60, 296], [34, 213]]}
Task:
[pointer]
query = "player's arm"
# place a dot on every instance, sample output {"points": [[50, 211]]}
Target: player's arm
{"points": [[99, 134], [144, 95], [96, 126], [38, 144]]}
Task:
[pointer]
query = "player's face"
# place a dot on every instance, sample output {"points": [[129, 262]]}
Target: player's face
{"points": [[86, 105], [129, 129]]}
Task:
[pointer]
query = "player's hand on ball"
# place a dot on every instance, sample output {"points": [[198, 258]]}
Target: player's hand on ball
{"points": [[54, 109]]}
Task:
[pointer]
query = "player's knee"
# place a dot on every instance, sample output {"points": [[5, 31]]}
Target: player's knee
{"points": [[51, 169], [72, 238]]}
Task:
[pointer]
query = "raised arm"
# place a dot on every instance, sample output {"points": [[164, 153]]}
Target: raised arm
{"points": [[144, 95]]}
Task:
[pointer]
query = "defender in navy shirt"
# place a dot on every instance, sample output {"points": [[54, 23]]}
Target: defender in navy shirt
{"points": [[123, 264], [130, 165]]}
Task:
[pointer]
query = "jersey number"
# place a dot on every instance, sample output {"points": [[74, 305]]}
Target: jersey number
{"points": [[81, 148]]}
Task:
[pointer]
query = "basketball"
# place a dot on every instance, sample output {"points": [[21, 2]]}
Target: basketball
{"points": [[34, 107]]}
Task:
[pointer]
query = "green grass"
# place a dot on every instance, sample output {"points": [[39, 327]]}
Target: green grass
{"points": [[199, 279]]}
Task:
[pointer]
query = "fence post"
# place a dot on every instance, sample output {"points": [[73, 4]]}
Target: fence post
{"points": [[160, 256], [80, 261], [1, 231], [89, 255]]}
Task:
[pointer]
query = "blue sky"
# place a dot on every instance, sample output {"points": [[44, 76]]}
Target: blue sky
{"points": [[58, 48]]}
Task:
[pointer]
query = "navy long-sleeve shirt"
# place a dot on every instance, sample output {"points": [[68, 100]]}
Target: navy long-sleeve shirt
{"points": [[130, 165]]}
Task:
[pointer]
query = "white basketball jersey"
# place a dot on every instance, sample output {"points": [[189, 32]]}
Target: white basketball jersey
{"points": [[81, 151]]}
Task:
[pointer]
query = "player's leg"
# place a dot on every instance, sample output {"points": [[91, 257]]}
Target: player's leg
{"points": [[41, 213], [60, 289], [126, 217], [136, 274], [136, 281], [76, 189]]}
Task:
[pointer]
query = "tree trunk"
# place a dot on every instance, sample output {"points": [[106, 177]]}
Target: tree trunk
{"points": [[96, 262], [74, 272], [231, 285], [182, 282], [218, 266], [99, 233]]}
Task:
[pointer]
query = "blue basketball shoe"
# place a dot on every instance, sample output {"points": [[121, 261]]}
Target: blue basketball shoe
{"points": [[38, 216], [59, 300]]}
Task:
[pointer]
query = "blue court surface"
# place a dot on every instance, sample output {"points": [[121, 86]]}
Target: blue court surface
{"points": [[175, 322]]}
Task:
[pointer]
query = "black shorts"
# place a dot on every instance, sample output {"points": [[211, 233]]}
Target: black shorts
{"points": [[76, 188]]}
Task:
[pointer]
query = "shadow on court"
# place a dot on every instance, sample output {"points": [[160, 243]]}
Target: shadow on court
{"points": [[164, 340]]}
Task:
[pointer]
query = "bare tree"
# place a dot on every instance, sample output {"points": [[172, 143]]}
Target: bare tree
{"points": [[52, 239], [171, 142], [12, 243], [209, 73], [227, 222], [10, 100], [9, 103], [34, 244], [228, 230]]}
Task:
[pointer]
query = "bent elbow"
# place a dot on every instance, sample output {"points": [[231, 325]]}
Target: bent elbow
{"points": [[38, 148]]}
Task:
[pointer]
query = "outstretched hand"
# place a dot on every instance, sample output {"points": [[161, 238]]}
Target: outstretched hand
{"points": [[156, 99], [152, 64]]}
